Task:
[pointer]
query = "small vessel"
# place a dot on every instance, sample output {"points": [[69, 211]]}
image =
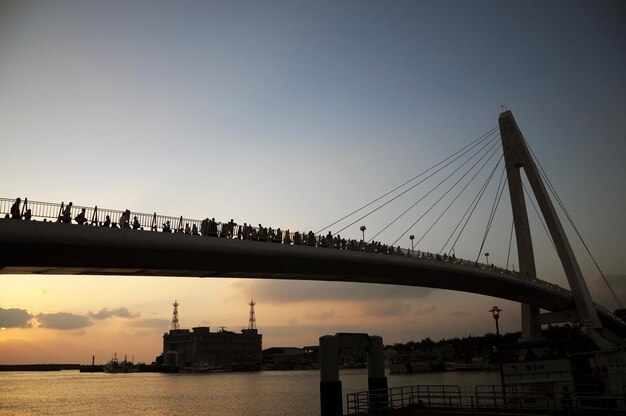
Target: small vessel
{"points": [[589, 358], [474, 364], [116, 366]]}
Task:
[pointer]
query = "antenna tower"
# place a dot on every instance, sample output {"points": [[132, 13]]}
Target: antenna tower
{"points": [[252, 320], [175, 316]]}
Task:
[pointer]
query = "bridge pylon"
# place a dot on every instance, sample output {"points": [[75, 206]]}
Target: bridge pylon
{"points": [[517, 155]]}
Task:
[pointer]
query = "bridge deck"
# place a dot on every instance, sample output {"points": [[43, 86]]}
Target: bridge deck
{"points": [[28, 247]]}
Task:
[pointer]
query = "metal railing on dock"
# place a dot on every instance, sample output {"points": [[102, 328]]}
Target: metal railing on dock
{"points": [[488, 399]]}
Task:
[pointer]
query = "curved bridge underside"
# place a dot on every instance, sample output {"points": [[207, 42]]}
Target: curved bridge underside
{"points": [[28, 247]]}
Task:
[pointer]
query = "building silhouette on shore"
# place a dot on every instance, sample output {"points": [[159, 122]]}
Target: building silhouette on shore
{"points": [[200, 349]]}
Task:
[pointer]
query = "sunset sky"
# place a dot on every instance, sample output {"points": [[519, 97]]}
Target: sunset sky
{"points": [[293, 114]]}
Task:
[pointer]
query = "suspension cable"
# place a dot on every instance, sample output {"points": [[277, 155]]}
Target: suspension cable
{"points": [[462, 218], [469, 213], [451, 203], [450, 189], [410, 188], [545, 228], [436, 186], [492, 214], [510, 241], [569, 218], [471, 145]]}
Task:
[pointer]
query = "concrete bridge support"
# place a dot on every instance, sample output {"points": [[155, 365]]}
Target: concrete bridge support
{"points": [[330, 386], [376, 374]]}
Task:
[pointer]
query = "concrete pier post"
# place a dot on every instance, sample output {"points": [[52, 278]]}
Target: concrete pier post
{"points": [[330, 386], [376, 374]]}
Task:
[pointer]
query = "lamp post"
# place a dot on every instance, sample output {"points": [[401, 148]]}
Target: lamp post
{"points": [[487, 257], [412, 237], [495, 312], [363, 231]]}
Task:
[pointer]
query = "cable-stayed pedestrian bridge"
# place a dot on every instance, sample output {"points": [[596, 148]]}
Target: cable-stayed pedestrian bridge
{"points": [[37, 247], [176, 246]]}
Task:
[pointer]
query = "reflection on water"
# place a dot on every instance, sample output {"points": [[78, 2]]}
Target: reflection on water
{"points": [[262, 393]]}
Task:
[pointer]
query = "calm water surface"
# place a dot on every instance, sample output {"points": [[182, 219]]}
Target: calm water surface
{"points": [[293, 393]]}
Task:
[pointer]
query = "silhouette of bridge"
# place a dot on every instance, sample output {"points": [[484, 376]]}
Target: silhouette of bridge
{"points": [[195, 249]]}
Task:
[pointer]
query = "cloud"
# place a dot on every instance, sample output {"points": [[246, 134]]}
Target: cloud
{"points": [[284, 291], [387, 309], [424, 311], [62, 321], [152, 323], [105, 313], [321, 315], [15, 318]]}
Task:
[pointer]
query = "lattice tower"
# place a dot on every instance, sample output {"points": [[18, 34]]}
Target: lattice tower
{"points": [[175, 316], [252, 320]]}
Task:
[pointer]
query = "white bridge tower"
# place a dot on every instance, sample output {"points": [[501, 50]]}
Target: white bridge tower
{"points": [[517, 155]]}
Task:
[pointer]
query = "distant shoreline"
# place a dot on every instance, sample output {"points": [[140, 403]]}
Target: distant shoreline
{"points": [[39, 367]]}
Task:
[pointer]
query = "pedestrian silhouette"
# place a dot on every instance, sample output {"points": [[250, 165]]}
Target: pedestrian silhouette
{"points": [[15, 209]]}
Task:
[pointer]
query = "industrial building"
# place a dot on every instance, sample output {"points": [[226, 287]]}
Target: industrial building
{"points": [[200, 349]]}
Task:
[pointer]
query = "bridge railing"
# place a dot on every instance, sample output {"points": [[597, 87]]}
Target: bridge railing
{"points": [[97, 215]]}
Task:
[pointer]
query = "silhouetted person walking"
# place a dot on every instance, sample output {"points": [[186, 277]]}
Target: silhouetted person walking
{"points": [[80, 218], [67, 215], [15, 209]]}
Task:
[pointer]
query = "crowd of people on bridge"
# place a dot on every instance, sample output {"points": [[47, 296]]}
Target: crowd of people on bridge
{"points": [[209, 227], [231, 230]]}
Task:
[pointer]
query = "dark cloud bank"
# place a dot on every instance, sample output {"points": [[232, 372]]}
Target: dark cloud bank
{"points": [[65, 321], [105, 313], [284, 291], [15, 318]]}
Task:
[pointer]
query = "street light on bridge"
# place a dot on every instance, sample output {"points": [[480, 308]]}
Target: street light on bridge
{"points": [[363, 231], [412, 237], [487, 257]]}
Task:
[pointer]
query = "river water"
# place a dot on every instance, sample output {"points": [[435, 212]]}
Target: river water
{"points": [[292, 393]]}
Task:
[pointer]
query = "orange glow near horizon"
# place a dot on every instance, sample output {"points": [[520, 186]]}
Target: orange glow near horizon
{"points": [[75, 317]]}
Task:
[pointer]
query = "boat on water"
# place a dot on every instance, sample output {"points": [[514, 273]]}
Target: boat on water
{"points": [[116, 366], [592, 358], [405, 365], [474, 364]]}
